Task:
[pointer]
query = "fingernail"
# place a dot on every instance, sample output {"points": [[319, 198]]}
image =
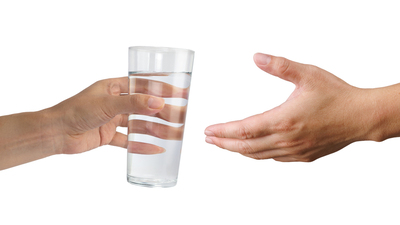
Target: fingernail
{"points": [[209, 133], [162, 150], [155, 103], [115, 89], [209, 140], [262, 59]]}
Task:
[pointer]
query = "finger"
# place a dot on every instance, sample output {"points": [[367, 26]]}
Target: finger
{"points": [[117, 86], [246, 148], [173, 113], [281, 67], [144, 148], [249, 146], [234, 145], [120, 120], [155, 129], [157, 88], [251, 127], [137, 103], [285, 159], [275, 154], [119, 140], [254, 148], [123, 121]]}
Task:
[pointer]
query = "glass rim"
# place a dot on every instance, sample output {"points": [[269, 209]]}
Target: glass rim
{"points": [[159, 49]]}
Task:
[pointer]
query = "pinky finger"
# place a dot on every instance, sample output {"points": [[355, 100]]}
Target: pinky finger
{"points": [[285, 159], [144, 148], [269, 154], [121, 140]]}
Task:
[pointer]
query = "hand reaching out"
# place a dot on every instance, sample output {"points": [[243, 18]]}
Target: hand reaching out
{"points": [[321, 116], [81, 123]]}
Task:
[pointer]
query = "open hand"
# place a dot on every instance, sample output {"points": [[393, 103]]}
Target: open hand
{"points": [[321, 116]]}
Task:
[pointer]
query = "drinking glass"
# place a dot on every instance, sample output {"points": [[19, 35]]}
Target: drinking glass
{"points": [[162, 72]]}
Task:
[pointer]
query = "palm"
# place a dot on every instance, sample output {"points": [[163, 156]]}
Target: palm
{"points": [[83, 141]]}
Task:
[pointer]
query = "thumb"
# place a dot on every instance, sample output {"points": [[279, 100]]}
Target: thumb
{"points": [[281, 67]]}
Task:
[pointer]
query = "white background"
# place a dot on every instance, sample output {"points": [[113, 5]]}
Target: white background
{"points": [[51, 50]]}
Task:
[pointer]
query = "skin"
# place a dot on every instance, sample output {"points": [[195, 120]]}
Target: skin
{"points": [[84, 122], [322, 115]]}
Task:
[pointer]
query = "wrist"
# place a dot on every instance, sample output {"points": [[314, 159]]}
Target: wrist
{"points": [[51, 130], [384, 113]]}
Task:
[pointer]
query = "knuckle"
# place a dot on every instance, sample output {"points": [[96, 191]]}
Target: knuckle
{"points": [[305, 155], [244, 148], [133, 99], [299, 152], [256, 156], [244, 132], [138, 102], [282, 65], [286, 143], [113, 88], [284, 126]]}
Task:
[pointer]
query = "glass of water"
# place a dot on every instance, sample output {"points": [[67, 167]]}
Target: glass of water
{"points": [[162, 72]]}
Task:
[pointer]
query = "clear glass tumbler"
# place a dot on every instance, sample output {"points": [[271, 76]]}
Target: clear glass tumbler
{"points": [[162, 72]]}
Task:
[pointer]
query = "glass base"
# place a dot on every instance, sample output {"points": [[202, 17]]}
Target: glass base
{"points": [[147, 182]]}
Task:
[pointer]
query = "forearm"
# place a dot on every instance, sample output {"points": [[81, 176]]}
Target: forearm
{"points": [[25, 137], [385, 115]]}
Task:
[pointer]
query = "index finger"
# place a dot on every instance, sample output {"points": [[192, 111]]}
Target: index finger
{"points": [[117, 86], [157, 88], [251, 127]]}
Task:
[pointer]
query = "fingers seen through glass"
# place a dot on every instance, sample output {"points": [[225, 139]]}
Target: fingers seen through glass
{"points": [[156, 129], [157, 88], [144, 148]]}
